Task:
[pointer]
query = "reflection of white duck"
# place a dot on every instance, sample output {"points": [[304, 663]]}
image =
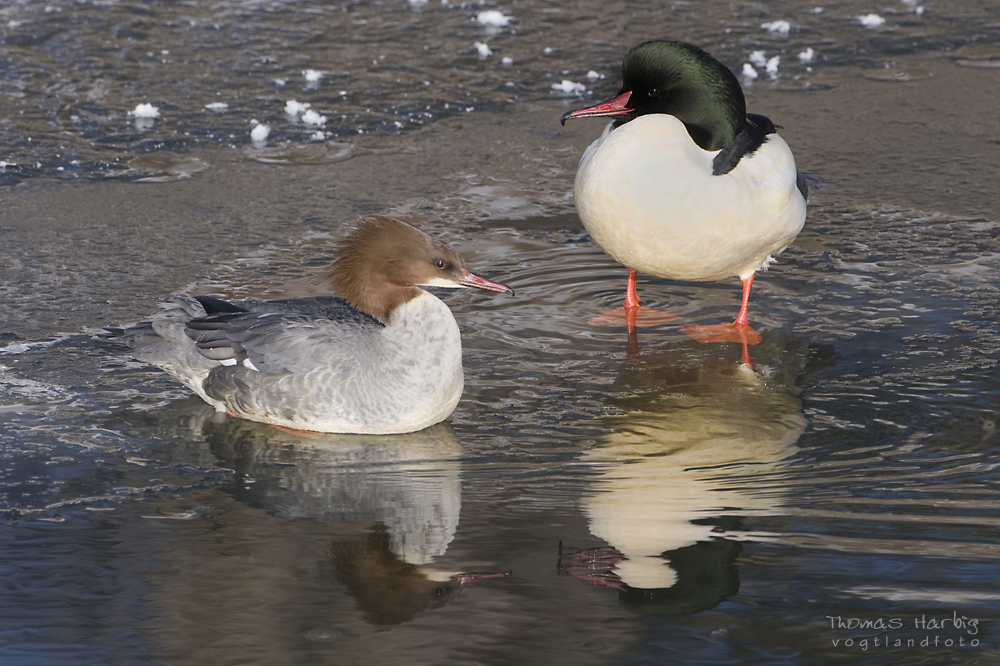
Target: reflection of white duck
{"points": [[687, 458]]}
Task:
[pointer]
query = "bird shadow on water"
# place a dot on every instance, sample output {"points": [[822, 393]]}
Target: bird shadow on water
{"points": [[392, 502], [698, 444]]}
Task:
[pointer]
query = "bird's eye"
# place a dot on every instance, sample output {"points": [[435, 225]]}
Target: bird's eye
{"points": [[654, 93], [439, 263], [439, 592]]}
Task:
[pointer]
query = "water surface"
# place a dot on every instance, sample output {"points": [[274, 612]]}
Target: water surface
{"points": [[667, 506]]}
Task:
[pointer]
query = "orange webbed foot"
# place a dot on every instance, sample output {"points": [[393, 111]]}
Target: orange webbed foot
{"points": [[641, 316], [734, 332]]}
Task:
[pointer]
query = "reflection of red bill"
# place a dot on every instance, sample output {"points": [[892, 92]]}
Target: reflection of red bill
{"points": [[464, 579]]}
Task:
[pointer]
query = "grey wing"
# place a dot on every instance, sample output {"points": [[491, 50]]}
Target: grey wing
{"points": [[160, 338], [162, 342], [278, 342]]}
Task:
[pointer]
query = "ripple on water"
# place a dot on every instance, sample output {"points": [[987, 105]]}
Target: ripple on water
{"points": [[326, 152]]}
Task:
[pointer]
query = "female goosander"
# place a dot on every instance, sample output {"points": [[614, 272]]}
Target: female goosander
{"points": [[383, 357], [684, 184]]}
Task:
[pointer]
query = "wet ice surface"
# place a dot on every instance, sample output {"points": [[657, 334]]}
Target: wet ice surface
{"points": [[660, 508]]}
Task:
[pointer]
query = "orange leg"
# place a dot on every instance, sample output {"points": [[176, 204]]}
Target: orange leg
{"points": [[631, 296], [633, 314], [739, 331], [742, 319]]}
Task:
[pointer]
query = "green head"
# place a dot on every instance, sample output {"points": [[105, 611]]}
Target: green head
{"points": [[680, 80]]}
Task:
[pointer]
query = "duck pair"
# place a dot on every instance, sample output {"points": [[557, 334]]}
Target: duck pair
{"points": [[682, 184]]}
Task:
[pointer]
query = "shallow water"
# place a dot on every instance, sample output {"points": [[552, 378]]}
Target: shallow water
{"points": [[660, 507]]}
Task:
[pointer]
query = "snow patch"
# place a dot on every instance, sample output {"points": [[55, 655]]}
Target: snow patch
{"points": [[310, 117], [259, 133], [777, 27], [294, 108], [569, 87], [145, 111], [871, 20], [483, 49], [492, 18]]}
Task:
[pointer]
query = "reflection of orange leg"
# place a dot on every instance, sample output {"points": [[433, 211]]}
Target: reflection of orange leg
{"points": [[745, 356], [632, 346], [632, 314], [739, 331]]}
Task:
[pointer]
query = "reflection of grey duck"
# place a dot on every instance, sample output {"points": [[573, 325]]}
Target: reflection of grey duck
{"points": [[409, 483], [383, 357], [394, 499], [676, 474], [388, 589]]}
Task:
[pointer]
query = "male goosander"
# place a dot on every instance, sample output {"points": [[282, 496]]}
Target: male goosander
{"points": [[382, 357], [683, 183]]}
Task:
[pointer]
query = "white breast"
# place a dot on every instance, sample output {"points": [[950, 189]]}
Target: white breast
{"points": [[401, 378], [646, 194]]}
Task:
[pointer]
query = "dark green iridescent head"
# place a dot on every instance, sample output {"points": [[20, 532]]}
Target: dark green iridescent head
{"points": [[683, 81]]}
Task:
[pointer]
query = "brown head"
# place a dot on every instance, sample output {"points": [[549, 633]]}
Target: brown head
{"points": [[387, 588], [383, 262]]}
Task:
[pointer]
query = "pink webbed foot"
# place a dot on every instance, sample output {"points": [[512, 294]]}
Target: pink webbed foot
{"points": [[740, 331], [632, 314], [638, 316], [735, 332]]}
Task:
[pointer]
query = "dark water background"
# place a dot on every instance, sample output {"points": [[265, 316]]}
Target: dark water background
{"points": [[662, 508]]}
